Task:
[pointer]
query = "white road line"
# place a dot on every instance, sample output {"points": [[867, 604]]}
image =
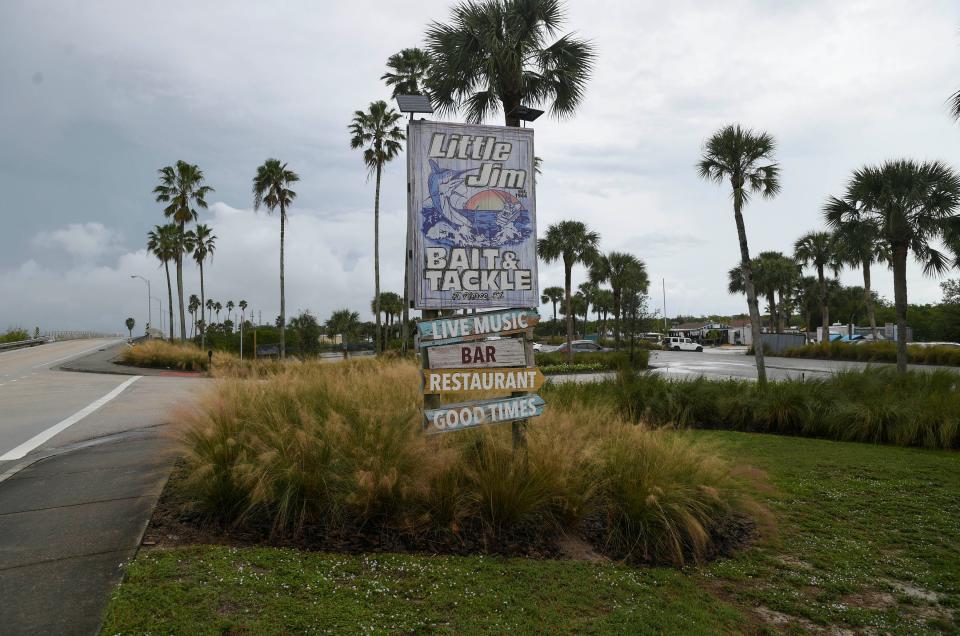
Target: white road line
{"points": [[36, 440], [72, 355]]}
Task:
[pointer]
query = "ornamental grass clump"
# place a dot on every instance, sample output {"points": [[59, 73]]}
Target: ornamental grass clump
{"points": [[335, 450], [160, 354]]}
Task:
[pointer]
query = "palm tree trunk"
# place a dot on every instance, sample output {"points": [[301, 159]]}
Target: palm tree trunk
{"points": [[824, 310], [183, 319], [781, 312], [748, 285], [283, 293], [868, 300], [616, 318], [376, 259], [203, 327], [166, 266], [567, 272], [773, 311], [900, 303], [554, 311]]}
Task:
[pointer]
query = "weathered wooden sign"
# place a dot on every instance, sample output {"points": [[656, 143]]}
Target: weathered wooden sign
{"points": [[471, 216], [455, 380], [475, 326], [453, 417], [507, 352]]}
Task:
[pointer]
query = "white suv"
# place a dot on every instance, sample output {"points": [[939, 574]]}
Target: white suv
{"points": [[681, 344]]}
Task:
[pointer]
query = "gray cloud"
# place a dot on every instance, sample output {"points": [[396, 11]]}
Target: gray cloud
{"points": [[98, 95]]}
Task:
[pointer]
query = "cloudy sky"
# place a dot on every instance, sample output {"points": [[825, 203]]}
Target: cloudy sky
{"points": [[96, 95]]}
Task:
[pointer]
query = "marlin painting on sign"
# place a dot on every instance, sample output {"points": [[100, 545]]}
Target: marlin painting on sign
{"points": [[472, 230]]}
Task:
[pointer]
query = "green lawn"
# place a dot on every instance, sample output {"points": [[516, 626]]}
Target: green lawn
{"points": [[868, 536]]}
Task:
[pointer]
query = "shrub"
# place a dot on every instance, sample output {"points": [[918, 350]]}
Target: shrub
{"points": [[339, 449], [920, 408], [876, 352], [599, 361], [14, 334], [165, 355]]}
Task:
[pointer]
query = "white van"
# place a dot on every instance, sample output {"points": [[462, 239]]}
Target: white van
{"points": [[675, 343]]}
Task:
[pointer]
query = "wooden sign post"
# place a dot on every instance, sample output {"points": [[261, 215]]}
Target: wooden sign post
{"points": [[490, 352]]}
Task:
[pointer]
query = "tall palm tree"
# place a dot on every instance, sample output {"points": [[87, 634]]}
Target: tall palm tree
{"points": [[859, 244], [204, 245], [209, 305], [243, 311], [377, 133], [552, 295], [621, 270], [819, 250], [572, 242], [745, 159], [588, 289], [163, 241], [495, 55], [216, 308], [914, 205], [181, 188], [271, 188], [407, 72], [230, 306]]}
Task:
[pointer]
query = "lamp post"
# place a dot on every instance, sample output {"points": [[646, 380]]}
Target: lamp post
{"points": [[149, 304]]}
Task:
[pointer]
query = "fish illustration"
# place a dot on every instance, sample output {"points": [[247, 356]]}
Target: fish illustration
{"points": [[448, 192]]}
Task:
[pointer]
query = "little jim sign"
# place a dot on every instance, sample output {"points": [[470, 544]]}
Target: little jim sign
{"points": [[471, 216]]}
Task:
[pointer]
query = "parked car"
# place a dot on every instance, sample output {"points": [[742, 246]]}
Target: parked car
{"points": [[675, 343], [582, 346]]}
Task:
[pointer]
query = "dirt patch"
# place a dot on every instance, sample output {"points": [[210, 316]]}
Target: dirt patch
{"points": [[575, 548], [794, 563], [871, 600], [789, 623]]}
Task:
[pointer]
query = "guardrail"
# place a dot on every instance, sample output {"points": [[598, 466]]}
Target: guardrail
{"points": [[32, 342], [53, 336]]}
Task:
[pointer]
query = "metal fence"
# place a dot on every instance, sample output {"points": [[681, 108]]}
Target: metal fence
{"points": [[780, 342]]}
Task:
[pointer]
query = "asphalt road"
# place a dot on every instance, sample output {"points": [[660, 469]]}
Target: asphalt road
{"points": [[35, 398], [722, 363], [83, 458]]}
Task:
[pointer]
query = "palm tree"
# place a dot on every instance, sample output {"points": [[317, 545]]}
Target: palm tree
{"points": [[955, 105], [163, 241], [407, 72], [204, 245], [603, 303], [243, 311], [818, 249], [745, 159], [230, 306], [192, 306], [181, 187], [495, 55], [572, 242], [130, 323], [588, 289], [271, 187], [621, 270], [216, 309], [210, 304], [914, 206], [859, 244], [773, 275], [376, 131], [342, 322], [552, 295]]}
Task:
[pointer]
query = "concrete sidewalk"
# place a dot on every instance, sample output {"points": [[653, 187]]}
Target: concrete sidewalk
{"points": [[67, 524]]}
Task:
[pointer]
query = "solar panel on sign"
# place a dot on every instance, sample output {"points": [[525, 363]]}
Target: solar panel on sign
{"points": [[414, 104]]}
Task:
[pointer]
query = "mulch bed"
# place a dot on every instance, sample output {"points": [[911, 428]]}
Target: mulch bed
{"points": [[174, 525]]}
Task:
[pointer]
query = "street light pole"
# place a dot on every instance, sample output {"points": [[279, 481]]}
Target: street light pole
{"points": [[149, 304], [161, 312]]}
